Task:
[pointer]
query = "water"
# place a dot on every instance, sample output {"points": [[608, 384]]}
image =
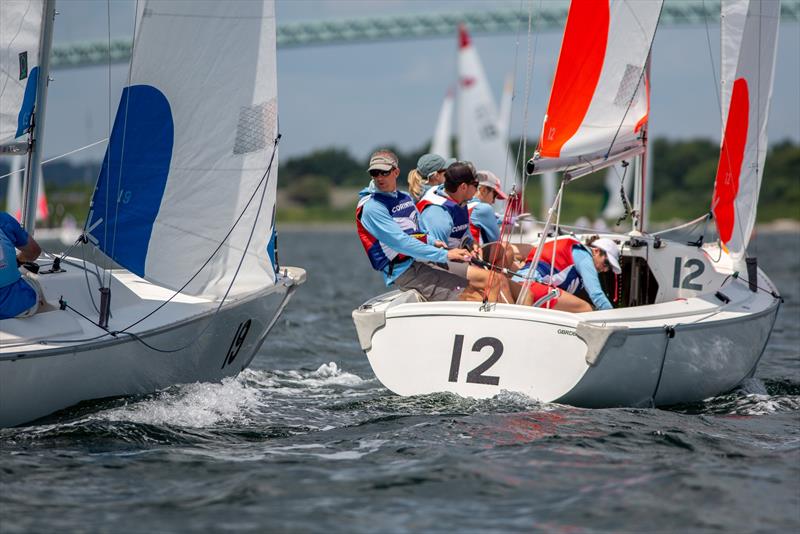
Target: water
{"points": [[308, 440]]}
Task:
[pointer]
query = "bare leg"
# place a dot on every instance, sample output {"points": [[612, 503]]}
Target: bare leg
{"points": [[478, 282]]}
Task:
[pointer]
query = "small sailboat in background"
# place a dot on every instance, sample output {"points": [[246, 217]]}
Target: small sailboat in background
{"points": [[691, 319], [442, 136], [185, 205]]}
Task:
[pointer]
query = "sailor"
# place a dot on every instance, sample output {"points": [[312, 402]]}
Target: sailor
{"points": [[444, 217], [20, 296], [387, 222], [428, 173], [484, 224], [575, 266]]}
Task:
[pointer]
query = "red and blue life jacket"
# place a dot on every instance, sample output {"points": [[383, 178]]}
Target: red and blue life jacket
{"points": [[558, 255], [401, 208], [459, 214]]}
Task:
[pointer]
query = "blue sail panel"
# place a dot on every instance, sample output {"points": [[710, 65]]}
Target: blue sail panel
{"points": [[28, 101], [133, 177]]}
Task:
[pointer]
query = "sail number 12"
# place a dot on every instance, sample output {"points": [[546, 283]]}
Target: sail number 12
{"points": [[476, 376]]}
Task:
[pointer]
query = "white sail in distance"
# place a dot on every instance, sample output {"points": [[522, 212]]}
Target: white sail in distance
{"points": [[504, 115], [20, 33], [597, 103], [744, 143], [479, 137], [443, 135], [189, 179]]}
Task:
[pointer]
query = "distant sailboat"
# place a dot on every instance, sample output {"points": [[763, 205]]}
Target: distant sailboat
{"points": [[14, 192], [442, 137], [480, 126]]}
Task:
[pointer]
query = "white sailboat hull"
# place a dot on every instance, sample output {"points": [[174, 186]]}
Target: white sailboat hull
{"points": [[677, 350], [39, 376]]}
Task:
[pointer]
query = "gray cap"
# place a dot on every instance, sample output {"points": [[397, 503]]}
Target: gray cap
{"points": [[449, 161], [428, 164], [490, 180], [382, 161]]}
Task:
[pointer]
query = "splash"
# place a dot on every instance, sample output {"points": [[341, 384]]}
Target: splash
{"points": [[193, 405]]}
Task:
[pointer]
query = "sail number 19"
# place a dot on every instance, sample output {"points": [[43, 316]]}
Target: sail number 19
{"points": [[476, 376]]}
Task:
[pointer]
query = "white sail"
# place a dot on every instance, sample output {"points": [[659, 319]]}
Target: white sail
{"points": [[443, 133], [504, 115], [479, 138], [744, 144], [14, 192], [613, 207], [733, 14], [14, 189], [597, 103], [20, 31], [189, 179]]}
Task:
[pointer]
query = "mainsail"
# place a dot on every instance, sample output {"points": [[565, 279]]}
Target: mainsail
{"points": [[442, 135], [189, 178], [479, 138], [20, 32], [746, 103], [597, 104]]}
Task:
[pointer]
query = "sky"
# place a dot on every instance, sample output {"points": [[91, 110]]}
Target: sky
{"points": [[363, 96]]}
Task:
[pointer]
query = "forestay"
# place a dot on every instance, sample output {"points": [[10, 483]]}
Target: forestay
{"points": [[479, 138], [598, 103], [746, 104], [20, 34], [190, 148]]}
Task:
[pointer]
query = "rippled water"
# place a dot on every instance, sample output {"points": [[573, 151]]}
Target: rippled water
{"points": [[308, 440]]}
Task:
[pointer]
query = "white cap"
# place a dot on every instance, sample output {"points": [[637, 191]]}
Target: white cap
{"points": [[612, 252]]}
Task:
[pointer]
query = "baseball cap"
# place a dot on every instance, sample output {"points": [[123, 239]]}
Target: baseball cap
{"points": [[428, 164], [612, 252], [382, 161], [490, 180]]}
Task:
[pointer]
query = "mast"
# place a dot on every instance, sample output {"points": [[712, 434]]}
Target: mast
{"points": [[642, 193], [31, 182]]}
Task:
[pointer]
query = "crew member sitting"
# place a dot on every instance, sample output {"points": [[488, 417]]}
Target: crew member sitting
{"points": [[20, 296], [575, 266], [387, 222], [445, 218], [484, 224]]}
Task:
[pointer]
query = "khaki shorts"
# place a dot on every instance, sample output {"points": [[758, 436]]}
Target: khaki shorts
{"points": [[435, 282], [37, 287]]}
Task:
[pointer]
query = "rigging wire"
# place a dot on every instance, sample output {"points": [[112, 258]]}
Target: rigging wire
{"points": [[56, 158]]}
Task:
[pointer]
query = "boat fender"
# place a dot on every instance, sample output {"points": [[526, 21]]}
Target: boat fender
{"points": [[600, 337]]}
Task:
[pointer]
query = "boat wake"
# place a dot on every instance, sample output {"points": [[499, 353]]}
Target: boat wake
{"points": [[753, 397]]}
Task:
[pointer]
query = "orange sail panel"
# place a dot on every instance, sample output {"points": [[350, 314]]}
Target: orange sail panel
{"points": [[726, 185], [583, 51]]}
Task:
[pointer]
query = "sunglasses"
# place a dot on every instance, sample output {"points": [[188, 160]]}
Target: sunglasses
{"points": [[375, 173]]}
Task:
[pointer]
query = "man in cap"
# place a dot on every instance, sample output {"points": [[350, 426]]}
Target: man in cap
{"points": [[387, 222]]}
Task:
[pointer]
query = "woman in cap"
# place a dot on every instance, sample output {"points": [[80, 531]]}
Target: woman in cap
{"points": [[569, 266], [429, 172]]}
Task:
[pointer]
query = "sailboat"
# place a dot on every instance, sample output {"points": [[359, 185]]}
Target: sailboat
{"points": [[482, 131], [184, 208], [691, 320]]}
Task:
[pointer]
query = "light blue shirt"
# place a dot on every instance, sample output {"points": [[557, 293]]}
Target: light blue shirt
{"points": [[484, 217], [16, 295], [437, 223], [584, 264], [379, 222]]}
